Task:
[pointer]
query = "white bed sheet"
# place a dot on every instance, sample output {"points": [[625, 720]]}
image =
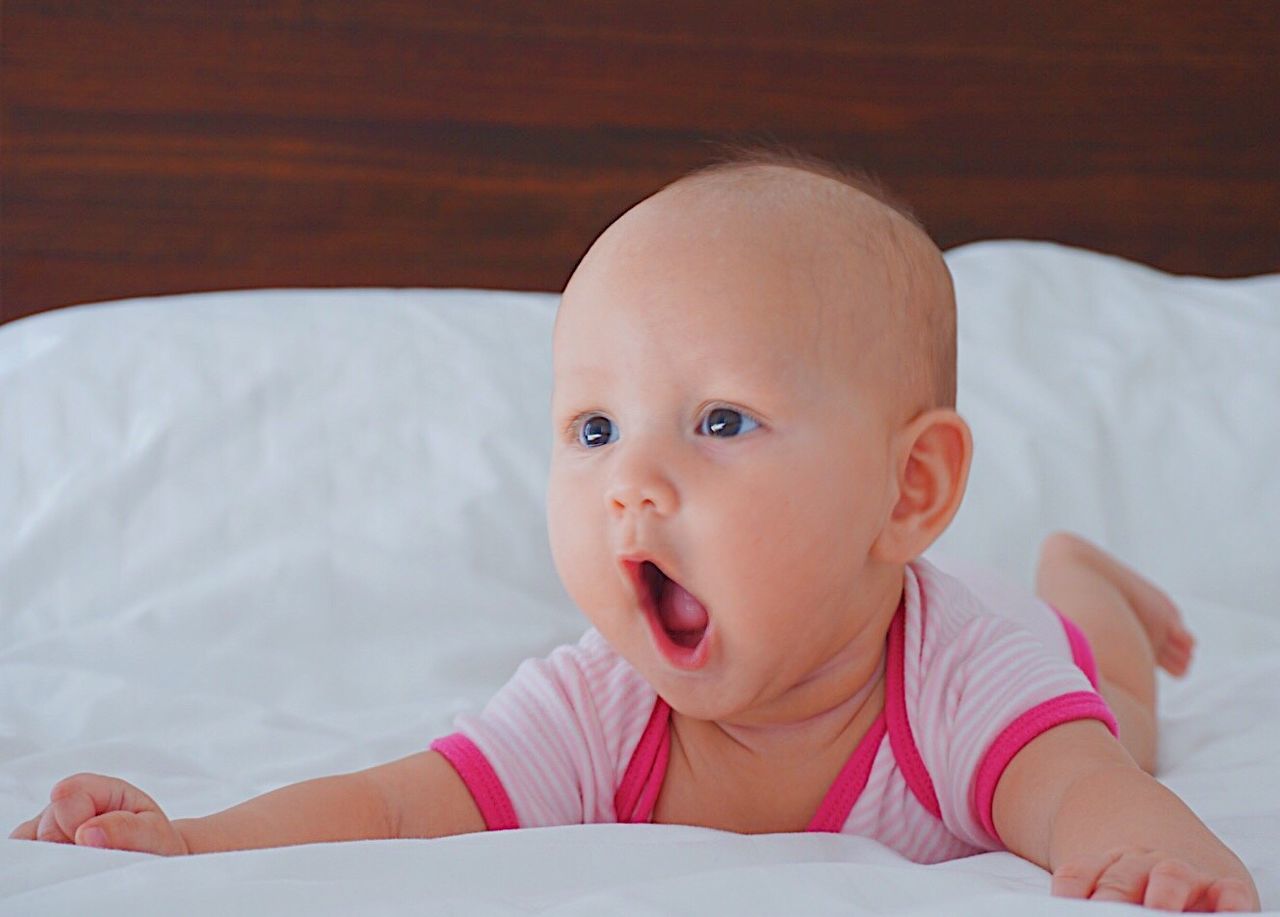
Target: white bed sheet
{"points": [[250, 538]]}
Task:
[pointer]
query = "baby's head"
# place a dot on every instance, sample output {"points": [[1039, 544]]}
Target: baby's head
{"points": [[754, 431]]}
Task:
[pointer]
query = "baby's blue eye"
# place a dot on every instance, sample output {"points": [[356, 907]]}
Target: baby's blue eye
{"points": [[596, 431], [726, 422]]}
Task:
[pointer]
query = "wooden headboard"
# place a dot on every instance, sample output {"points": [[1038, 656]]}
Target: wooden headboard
{"points": [[156, 147]]}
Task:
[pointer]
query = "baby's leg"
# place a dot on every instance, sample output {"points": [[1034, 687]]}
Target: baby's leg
{"points": [[1132, 626]]}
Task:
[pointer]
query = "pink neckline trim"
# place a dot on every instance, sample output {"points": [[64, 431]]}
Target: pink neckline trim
{"points": [[849, 784], [895, 704], [638, 792]]}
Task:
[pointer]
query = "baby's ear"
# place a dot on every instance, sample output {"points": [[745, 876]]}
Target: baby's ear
{"points": [[931, 463]]}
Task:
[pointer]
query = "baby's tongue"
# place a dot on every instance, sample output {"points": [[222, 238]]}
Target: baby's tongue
{"points": [[681, 613]]}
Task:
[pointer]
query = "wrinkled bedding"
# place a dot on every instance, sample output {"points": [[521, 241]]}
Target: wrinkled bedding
{"points": [[254, 537]]}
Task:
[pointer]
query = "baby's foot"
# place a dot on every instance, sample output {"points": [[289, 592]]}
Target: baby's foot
{"points": [[1170, 640]]}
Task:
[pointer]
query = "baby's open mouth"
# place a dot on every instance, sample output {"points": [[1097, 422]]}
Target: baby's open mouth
{"points": [[681, 615]]}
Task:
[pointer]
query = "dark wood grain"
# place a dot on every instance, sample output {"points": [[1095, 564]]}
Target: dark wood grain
{"points": [[165, 147]]}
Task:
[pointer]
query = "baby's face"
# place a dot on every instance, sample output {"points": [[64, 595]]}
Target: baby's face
{"points": [[716, 418]]}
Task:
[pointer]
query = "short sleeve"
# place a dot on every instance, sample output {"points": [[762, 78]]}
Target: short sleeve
{"points": [[548, 747], [992, 689]]}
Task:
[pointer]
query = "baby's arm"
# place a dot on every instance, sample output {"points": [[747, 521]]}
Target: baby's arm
{"points": [[417, 796], [1074, 802]]}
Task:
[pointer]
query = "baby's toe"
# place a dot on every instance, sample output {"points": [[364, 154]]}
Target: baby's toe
{"points": [[1175, 654]]}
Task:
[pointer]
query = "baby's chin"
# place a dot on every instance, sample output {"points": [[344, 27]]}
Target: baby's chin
{"points": [[716, 692], [708, 704], [707, 678]]}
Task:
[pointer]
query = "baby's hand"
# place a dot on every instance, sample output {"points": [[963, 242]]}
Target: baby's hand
{"points": [[95, 811], [1153, 879]]}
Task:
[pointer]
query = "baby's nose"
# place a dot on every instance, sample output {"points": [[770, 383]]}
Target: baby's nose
{"points": [[641, 486], [659, 499]]}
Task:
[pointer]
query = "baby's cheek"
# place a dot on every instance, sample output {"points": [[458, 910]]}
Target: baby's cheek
{"points": [[579, 548], [757, 552], [563, 534], [766, 525], [790, 553]]}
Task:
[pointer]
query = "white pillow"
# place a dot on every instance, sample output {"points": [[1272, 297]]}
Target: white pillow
{"points": [[285, 475], [342, 485], [1138, 408]]}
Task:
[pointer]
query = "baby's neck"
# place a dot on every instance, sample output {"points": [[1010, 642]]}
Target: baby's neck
{"points": [[822, 729], [836, 700]]}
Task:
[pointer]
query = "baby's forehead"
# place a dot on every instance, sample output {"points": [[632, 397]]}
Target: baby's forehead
{"points": [[767, 219], [761, 249], [814, 268]]}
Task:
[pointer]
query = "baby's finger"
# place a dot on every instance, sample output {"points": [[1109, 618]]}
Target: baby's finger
{"points": [[107, 793], [1172, 885], [71, 810], [145, 833], [1076, 879], [47, 828], [25, 831], [1124, 880]]}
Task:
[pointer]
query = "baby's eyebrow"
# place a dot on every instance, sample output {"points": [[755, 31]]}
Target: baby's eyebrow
{"points": [[575, 370]]}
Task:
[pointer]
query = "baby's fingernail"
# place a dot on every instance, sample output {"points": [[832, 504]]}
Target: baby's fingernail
{"points": [[94, 837]]}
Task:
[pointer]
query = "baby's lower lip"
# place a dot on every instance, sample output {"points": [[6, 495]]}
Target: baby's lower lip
{"points": [[686, 658]]}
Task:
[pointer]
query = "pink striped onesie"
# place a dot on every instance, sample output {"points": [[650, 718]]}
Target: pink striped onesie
{"points": [[972, 673]]}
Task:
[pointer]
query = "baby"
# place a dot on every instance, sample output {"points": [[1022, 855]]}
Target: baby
{"points": [[755, 442]]}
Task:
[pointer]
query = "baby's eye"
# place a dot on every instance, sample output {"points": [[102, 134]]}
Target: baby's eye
{"points": [[596, 431], [726, 422]]}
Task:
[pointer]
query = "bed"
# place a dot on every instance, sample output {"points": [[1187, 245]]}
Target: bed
{"points": [[259, 535]]}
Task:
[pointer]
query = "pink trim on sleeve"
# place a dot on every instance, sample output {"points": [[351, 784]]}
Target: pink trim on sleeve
{"points": [[481, 780], [1081, 652], [641, 782], [895, 707], [1078, 705]]}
